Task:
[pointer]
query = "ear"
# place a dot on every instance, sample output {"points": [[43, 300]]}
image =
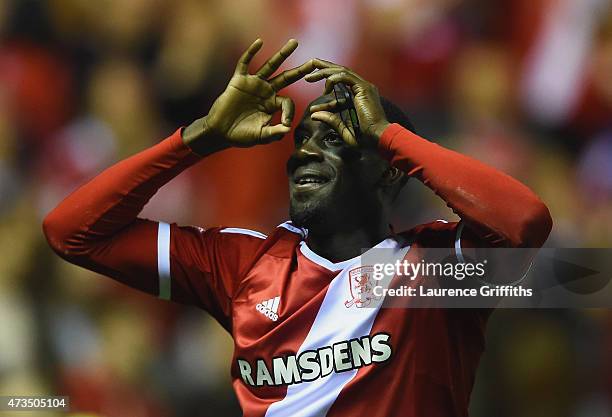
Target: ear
{"points": [[392, 181], [391, 176]]}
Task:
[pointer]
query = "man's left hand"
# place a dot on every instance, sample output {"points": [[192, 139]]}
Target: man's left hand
{"points": [[372, 119]]}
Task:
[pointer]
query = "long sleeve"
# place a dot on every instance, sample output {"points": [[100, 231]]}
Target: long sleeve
{"points": [[81, 227], [499, 209], [97, 228]]}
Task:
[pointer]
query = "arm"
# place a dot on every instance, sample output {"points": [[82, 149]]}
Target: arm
{"points": [[497, 208], [500, 209], [97, 225]]}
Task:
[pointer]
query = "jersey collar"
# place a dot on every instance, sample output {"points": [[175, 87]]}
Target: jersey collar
{"points": [[389, 242]]}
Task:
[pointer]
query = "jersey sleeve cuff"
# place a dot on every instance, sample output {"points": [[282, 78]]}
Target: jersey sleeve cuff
{"points": [[387, 144], [406, 150], [177, 147]]}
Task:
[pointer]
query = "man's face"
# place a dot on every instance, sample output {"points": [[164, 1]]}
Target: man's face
{"points": [[332, 186]]}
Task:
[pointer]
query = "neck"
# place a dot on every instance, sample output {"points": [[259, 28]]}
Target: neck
{"points": [[341, 245]]}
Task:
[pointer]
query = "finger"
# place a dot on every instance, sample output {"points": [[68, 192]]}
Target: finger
{"points": [[336, 123], [287, 109], [321, 63], [277, 59], [327, 106], [341, 77], [288, 77], [322, 73], [273, 133], [243, 63]]}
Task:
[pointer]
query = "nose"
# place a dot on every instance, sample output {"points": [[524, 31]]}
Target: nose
{"points": [[309, 149]]}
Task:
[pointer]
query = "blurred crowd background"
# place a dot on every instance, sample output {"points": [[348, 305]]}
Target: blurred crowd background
{"points": [[524, 85]]}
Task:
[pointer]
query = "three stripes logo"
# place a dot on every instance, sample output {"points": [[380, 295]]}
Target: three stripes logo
{"points": [[269, 308]]}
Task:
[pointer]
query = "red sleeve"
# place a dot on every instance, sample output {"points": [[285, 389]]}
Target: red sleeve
{"points": [[495, 207], [97, 227]]}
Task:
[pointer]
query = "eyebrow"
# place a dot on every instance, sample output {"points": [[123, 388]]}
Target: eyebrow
{"points": [[300, 130]]}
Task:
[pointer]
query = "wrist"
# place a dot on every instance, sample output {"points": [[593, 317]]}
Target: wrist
{"points": [[202, 139], [378, 129]]}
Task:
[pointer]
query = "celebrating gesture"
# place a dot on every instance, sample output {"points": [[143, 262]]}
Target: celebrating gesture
{"points": [[241, 116], [293, 300], [372, 119]]}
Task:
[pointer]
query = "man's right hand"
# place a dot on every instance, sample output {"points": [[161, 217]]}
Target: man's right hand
{"points": [[241, 116]]}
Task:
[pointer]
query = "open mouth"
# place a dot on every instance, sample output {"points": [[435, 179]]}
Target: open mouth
{"points": [[309, 180]]}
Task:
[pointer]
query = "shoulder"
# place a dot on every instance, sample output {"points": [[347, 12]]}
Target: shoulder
{"points": [[241, 233], [279, 242], [216, 235], [436, 234]]}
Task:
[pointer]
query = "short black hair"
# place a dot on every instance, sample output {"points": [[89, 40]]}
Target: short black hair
{"points": [[395, 114]]}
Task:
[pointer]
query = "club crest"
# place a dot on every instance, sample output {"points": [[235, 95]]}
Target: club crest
{"points": [[361, 283]]}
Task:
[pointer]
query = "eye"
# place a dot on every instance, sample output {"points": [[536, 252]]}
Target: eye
{"points": [[333, 138]]}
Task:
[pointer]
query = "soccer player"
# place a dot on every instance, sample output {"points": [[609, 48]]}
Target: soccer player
{"points": [[303, 345]]}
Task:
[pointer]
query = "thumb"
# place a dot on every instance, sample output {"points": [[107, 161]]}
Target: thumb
{"points": [[273, 133]]}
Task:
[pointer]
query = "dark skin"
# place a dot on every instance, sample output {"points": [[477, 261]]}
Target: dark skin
{"points": [[337, 191], [341, 190]]}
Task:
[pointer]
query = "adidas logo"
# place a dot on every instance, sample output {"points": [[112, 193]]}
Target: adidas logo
{"points": [[269, 308]]}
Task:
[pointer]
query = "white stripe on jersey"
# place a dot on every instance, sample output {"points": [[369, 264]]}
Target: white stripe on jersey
{"points": [[163, 260], [275, 304], [243, 232], [334, 322]]}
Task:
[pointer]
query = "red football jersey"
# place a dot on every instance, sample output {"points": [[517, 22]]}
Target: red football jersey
{"points": [[305, 344]]}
